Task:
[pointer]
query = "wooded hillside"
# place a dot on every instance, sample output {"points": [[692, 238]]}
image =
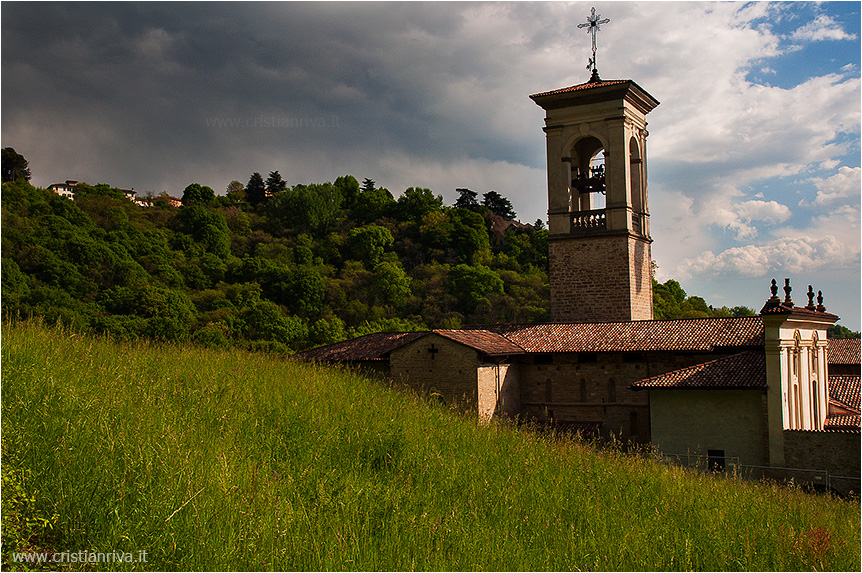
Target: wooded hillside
{"points": [[278, 267]]}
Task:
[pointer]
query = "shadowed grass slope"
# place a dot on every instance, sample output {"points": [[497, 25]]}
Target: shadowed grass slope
{"points": [[228, 460]]}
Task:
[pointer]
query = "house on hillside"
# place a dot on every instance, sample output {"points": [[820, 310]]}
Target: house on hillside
{"points": [[67, 190], [756, 392]]}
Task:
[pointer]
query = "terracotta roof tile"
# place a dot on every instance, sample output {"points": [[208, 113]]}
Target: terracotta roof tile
{"points": [[845, 390], [744, 370], [697, 334], [848, 422], [484, 341], [579, 87], [783, 308], [844, 350], [374, 346]]}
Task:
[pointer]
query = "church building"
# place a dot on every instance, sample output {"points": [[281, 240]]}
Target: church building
{"points": [[768, 394]]}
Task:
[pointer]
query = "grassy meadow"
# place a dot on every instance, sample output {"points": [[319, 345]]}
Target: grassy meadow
{"points": [[227, 460]]}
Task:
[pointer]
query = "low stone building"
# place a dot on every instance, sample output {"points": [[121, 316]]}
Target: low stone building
{"points": [[757, 391], [744, 391]]}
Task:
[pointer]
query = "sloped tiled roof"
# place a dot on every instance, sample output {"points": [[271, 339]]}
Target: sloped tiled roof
{"points": [[579, 87], [844, 350], [743, 370], [696, 334], [845, 390], [771, 308], [847, 422], [484, 341], [374, 346]]}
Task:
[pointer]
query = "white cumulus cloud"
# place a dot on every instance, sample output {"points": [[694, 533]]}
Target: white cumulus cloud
{"points": [[801, 254], [822, 28], [844, 184]]}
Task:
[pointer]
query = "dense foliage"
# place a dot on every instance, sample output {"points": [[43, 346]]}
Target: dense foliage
{"points": [[671, 301], [267, 265]]}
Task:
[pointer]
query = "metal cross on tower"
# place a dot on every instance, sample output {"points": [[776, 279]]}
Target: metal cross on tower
{"points": [[593, 24]]}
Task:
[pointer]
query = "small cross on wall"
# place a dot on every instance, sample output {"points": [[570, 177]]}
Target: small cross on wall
{"points": [[433, 352]]}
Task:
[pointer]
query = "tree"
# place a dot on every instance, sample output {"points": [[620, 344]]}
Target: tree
{"points": [[15, 167], [391, 283], [472, 283], [235, 191], [469, 235], [499, 205], [369, 242], [205, 227], [275, 184], [372, 203], [348, 186], [306, 208], [255, 190], [416, 202], [839, 331], [195, 193], [264, 321], [467, 199]]}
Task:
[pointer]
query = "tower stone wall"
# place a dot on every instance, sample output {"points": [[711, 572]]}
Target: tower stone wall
{"points": [[600, 278], [600, 268]]}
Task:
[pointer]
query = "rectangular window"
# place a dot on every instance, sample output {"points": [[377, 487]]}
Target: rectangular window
{"points": [[715, 460]]}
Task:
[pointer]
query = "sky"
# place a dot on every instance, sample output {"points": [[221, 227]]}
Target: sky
{"points": [[753, 153]]}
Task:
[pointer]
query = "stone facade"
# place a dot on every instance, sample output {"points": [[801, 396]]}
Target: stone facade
{"points": [[693, 422], [834, 452], [437, 365], [600, 278], [499, 391], [596, 388]]}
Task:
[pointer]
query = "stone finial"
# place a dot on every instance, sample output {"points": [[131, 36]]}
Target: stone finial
{"points": [[774, 289], [810, 305], [787, 300], [820, 307]]}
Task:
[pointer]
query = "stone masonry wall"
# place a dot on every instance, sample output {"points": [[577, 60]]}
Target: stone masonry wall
{"points": [[834, 452], [689, 423], [435, 363], [595, 387], [499, 394], [640, 259], [600, 278]]}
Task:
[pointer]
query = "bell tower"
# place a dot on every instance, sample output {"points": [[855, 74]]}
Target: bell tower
{"points": [[600, 267]]}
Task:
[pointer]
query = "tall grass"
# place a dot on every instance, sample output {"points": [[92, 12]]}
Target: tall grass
{"points": [[229, 460]]}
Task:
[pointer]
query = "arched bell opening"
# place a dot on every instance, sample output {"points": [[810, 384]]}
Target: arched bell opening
{"points": [[588, 175], [636, 184]]}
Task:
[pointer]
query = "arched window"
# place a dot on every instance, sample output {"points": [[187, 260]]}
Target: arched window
{"points": [[815, 423], [636, 176], [797, 415], [587, 175]]}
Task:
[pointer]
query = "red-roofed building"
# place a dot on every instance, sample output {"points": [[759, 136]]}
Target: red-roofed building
{"points": [[753, 389]]}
